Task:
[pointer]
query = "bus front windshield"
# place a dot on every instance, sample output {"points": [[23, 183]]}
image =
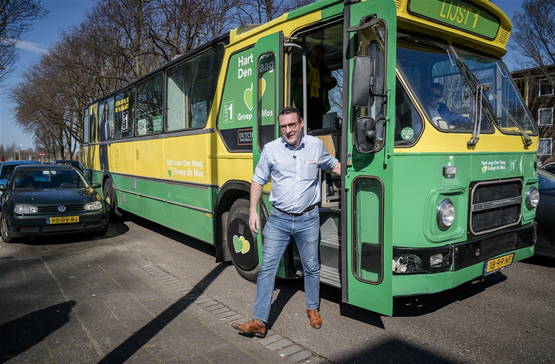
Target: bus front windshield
{"points": [[449, 94], [504, 97]]}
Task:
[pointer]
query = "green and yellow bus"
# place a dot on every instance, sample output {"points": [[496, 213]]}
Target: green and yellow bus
{"points": [[423, 204]]}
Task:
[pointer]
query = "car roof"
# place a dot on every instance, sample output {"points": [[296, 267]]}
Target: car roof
{"points": [[45, 166], [7, 163]]}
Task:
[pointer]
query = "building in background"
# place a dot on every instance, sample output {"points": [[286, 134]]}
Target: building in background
{"points": [[539, 95]]}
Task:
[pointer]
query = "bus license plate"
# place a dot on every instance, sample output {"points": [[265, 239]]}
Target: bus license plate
{"points": [[495, 264], [62, 220]]}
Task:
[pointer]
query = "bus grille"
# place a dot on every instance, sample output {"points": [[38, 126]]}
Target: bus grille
{"points": [[53, 209], [495, 205]]}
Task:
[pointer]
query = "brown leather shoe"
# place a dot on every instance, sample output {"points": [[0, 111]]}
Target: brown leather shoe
{"points": [[252, 327], [314, 318]]}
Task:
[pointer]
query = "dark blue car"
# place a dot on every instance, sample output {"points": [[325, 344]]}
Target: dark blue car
{"points": [[50, 199], [545, 214], [6, 168]]}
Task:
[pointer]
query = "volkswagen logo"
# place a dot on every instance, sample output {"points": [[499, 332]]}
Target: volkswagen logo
{"points": [[62, 208]]}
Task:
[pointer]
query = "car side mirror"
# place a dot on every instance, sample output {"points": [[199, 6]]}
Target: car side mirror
{"points": [[2, 188], [96, 185]]}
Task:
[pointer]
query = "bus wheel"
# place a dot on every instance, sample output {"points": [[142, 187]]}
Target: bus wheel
{"points": [[241, 242], [4, 230], [111, 199]]}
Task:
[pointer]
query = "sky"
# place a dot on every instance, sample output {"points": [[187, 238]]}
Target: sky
{"points": [[63, 15]]}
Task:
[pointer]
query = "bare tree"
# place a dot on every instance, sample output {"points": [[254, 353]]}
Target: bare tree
{"points": [[16, 17], [534, 34]]}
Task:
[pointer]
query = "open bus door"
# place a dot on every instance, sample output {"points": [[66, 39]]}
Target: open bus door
{"points": [[267, 101], [366, 254]]}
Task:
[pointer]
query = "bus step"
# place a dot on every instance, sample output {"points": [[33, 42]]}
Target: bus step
{"points": [[330, 276]]}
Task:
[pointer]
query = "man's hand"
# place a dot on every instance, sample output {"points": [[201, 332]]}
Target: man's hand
{"points": [[254, 222]]}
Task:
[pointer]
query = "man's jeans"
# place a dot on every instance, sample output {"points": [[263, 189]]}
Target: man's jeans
{"points": [[277, 233]]}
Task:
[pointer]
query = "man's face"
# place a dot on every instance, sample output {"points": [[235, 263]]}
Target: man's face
{"points": [[434, 96], [291, 127]]}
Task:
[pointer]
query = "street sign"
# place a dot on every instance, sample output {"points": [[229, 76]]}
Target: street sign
{"points": [[42, 154]]}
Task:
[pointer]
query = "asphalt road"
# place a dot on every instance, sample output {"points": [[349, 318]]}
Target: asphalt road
{"points": [[509, 317]]}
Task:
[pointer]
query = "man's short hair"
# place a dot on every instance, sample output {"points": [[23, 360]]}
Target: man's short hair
{"points": [[290, 110]]}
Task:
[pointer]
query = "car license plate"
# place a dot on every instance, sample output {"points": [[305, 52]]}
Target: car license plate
{"points": [[62, 220], [495, 264]]}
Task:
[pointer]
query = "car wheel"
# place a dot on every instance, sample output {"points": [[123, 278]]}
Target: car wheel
{"points": [[111, 199], [241, 242], [4, 230]]}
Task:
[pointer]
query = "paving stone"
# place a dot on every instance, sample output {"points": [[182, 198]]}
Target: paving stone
{"points": [[215, 307], [169, 349], [219, 311], [279, 344], [81, 353], [222, 351], [291, 350], [301, 355], [189, 360], [270, 339], [230, 319], [227, 314]]}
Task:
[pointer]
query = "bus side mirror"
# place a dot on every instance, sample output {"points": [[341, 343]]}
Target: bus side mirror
{"points": [[362, 75]]}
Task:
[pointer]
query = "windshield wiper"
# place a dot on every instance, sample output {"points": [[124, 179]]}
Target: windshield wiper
{"points": [[480, 102]]}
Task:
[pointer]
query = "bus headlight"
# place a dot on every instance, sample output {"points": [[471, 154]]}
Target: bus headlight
{"points": [[445, 214], [25, 209], [532, 198]]}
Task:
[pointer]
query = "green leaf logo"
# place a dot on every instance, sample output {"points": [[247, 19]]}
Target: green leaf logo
{"points": [[484, 169], [247, 97]]}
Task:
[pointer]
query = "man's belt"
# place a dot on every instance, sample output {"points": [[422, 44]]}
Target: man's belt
{"points": [[309, 208]]}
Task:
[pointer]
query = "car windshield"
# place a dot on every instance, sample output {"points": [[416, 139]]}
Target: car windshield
{"points": [[501, 92], [7, 171], [35, 179]]}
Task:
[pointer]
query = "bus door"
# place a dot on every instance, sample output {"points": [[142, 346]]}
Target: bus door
{"points": [[366, 254], [267, 100]]}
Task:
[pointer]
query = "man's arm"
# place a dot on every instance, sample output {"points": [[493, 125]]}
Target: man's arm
{"points": [[254, 219]]}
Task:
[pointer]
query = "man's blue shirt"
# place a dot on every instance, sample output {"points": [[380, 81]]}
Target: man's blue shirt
{"points": [[294, 172]]}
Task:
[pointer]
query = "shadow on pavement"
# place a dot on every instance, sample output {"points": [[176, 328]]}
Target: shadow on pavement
{"points": [[18, 335], [287, 289], [181, 238], [424, 304], [544, 261], [133, 343], [115, 229], [394, 351]]}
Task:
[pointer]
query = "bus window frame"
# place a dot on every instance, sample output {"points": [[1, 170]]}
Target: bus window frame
{"points": [[144, 81]]}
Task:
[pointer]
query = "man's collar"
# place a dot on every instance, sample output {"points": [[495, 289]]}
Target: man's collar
{"points": [[289, 145]]}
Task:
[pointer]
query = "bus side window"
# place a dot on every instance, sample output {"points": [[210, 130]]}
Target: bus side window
{"points": [[92, 123], [106, 119], [86, 126], [123, 114], [408, 123], [149, 106], [190, 90]]}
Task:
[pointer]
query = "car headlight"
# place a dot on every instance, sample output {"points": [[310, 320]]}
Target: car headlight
{"points": [[532, 198], [445, 214], [25, 209], [93, 206]]}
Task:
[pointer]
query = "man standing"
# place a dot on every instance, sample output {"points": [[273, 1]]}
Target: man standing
{"points": [[292, 162]]}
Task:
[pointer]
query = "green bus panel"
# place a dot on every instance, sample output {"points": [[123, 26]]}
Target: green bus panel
{"points": [[415, 203]]}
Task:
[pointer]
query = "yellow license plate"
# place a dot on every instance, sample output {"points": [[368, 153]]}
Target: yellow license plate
{"points": [[63, 219], [497, 263]]}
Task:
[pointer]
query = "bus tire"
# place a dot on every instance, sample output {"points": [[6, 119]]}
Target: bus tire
{"points": [[241, 242], [4, 231], [111, 200]]}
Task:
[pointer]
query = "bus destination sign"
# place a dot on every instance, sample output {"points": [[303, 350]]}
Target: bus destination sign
{"points": [[457, 14]]}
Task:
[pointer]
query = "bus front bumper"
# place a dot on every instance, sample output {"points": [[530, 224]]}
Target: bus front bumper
{"points": [[431, 270]]}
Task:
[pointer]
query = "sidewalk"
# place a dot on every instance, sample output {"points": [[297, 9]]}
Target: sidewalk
{"points": [[101, 304]]}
